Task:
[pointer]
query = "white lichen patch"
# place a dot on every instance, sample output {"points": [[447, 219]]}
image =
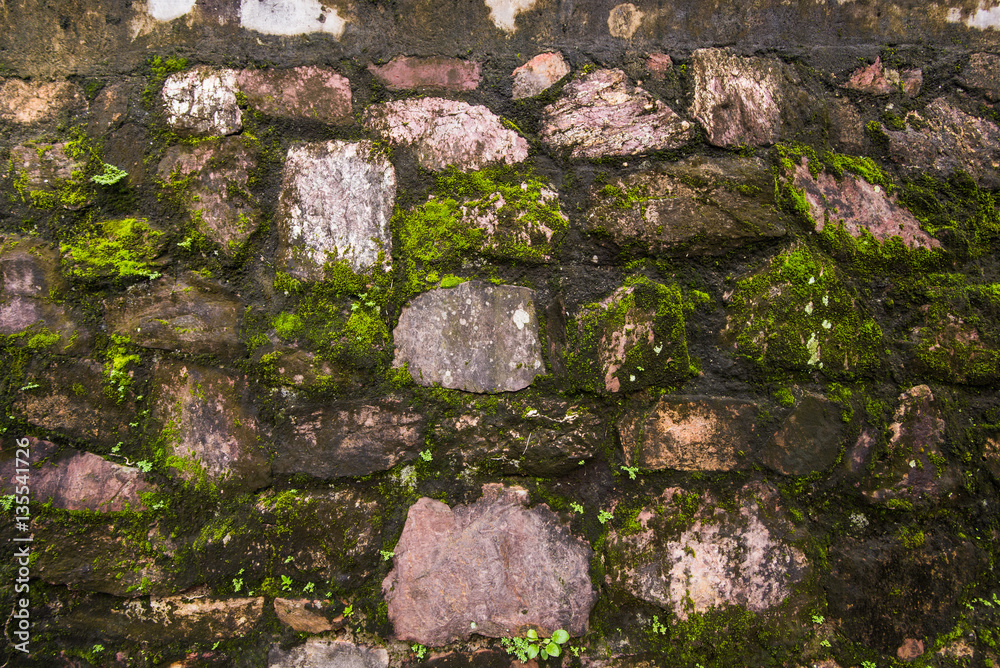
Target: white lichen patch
{"points": [[168, 10], [503, 12], [291, 17], [521, 318]]}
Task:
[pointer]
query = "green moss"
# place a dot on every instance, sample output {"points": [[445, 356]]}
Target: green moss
{"points": [[632, 340], [784, 397], [115, 248], [798, 315], [956, 210], [117, 378], [159, 69]]}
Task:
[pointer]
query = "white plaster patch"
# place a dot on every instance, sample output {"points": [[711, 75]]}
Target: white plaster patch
{"points": [[290, 17], [168, 10], [984, 18], [624, 20], [521, 318], [954, 15], [503, 12]]}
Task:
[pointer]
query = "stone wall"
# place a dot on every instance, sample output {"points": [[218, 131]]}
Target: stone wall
{"points": [[426, 334]]}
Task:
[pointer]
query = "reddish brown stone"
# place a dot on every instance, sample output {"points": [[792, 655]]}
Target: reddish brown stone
{"points": [[320, 653], [433, 72], [494, 568], [110, 107], [982, 72], [302, 92], [910, 649], [880, 81], [690, 434], [859, 206], [27, 102], [538, 74], [808, 440], [658, 65], [307, 615], [45, 173], [76, 480]]}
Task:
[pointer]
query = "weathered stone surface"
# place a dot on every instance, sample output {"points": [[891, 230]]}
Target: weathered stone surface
{"points": [[71, 400], [632, 339], [75, 480], [808, 440], [111, 106], [948, 140], [483, 658], [982, 72], [301, 92], [348, 439], [202, 101], [111, 560], [307, 615], [860, 206], [317, 653], [694, 562], [211, 430], [447, 132], [215, 177], [504, 12], [431, 72], [47, 175], [335, 205], [911, 649], [538, 74], [476, 337], [27, 102], [847, 129], [738, 100], [695, 206], [991, 456], [658, 65], [29, 268], [603, 114], [189, 313], [903, 584], [916, 468], [295, 367], [881, 81], [624, 20], [494, 568], [194, 618], [276, 17], [690, 434], [549, 439]]}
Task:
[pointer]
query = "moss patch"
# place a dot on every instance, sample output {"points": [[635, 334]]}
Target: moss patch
{"points": [[114, 248]]}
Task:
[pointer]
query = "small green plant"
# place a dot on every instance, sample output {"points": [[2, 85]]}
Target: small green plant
{"points": [[659, 628], [144, 465], [349, 610], [818, 619], [631, 470], [868, 664], [288, 560], [309, 588], [604, 516], [6, 502], [576, 507], [98, 649], [387, 554], [419, 650], [286, 583], [426, 455], [531, 646], [825, 643], [237, 584], [110, 176], [29, 386]]}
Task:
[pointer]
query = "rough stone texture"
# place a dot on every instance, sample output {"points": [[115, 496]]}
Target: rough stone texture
{"points": [[75, 480], [494, 568], [847, 129], [110, 107], [209, 425], [658, 65], [202, 101], [883, 591], [551, 438], [991, 456], [447, 132], [881, 81], [294, 367], [47, 175], [301, 92], [538, 74], [336, 202], [982, 72], [916, 468], [860, 206], [738, 100], [71, 400], [808, 440], [428, 73], [714, 558], [197, 617], [307, 615], [690, 434], [695, 206], [477, 337], [27, 102], [189, 313], [349, 439], [624, 20], [603, 114], [632, 339], [317, 653], [947, 139], [216, 176]]}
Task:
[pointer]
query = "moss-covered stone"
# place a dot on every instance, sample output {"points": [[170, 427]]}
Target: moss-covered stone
{"points": [[122, 248], [632, 339], [798, 315]]}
